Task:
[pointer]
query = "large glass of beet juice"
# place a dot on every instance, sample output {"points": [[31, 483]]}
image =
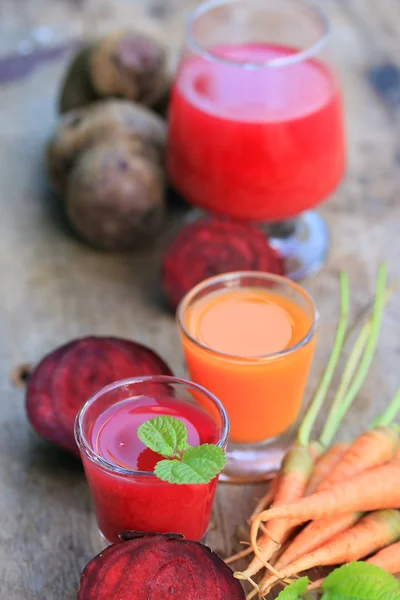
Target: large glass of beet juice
{"points": [[249, 337], [255, 120], [119, 468]]}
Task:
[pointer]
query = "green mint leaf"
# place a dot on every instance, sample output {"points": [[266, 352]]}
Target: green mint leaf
{"points": [[360, 581], [294, 590], [197, 465], [214, 456], [165, 435]]}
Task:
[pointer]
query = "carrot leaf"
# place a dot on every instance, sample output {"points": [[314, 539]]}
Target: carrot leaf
{"points": [[295, 590], [360, 581]]}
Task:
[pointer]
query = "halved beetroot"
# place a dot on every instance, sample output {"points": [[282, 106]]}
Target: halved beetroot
{"points": [[213, 246], [63, 381], [158, 567]]}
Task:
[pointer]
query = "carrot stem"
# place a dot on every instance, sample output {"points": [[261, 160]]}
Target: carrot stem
{"points": [[304, 432], [371, 344], [367, 310], [349, 386], [388, 415], [352, 364], [332, 422]]}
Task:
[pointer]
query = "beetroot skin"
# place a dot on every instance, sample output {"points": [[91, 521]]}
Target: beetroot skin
{"points": [[63, 381], [158, 568], [211, 247]]}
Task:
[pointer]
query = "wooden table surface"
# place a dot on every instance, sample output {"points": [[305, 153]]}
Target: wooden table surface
{"points": [[54, 288]]}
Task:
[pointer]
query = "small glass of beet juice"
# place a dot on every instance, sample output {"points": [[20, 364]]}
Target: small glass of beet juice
{"points": [[249, 337], [255, 121], [119, 468]]}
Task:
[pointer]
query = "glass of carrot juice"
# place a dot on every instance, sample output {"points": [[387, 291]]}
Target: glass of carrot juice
{"points": [[249, 338], [255, 127], [120, 469]]}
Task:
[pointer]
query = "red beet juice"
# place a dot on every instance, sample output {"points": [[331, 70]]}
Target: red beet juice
{"points": [[259, 144], [138, 500]]}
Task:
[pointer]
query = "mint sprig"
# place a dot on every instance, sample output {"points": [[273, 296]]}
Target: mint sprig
{"points": [[295, 590], [360, 581], [167, 436], [164, 435], [355, 581]]}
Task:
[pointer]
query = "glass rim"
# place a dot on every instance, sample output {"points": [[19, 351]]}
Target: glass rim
{"points": [[299, 56], [184, 304], [86, 448]]}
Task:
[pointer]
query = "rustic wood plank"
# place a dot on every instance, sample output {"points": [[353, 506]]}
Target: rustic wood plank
{"points": [[54, 287]]}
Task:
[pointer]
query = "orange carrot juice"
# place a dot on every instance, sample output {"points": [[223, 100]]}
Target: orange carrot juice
{"points": [[250, 341]]}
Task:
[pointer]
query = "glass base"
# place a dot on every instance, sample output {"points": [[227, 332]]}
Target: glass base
{"points": [[252, 463], [303, 243]]}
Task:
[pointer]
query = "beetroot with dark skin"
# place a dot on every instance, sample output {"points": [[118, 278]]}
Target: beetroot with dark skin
{"points": [[214, 246], [122, 64], [130, 65], [63, 381], [115, 197], [158, 567], [81, 129]]}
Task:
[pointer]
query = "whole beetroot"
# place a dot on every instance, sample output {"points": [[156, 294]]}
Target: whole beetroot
{"points": [[131, 65], [80, 129], [106, 161], [115, 197], [123, 64], [64, 379]]}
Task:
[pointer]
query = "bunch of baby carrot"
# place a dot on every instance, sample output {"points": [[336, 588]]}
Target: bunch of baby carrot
{"points": [[346, 494]]}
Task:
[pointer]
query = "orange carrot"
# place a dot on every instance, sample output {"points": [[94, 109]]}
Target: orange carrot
{"points": [[372, 533], [315, 535], [387, 559], [371, 490], [324, 466], [293, 478], [370, 449]]}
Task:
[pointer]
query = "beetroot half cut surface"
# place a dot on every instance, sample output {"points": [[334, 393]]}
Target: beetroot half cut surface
{"points": [[159, 567], [67, 377], [214, 246]]}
